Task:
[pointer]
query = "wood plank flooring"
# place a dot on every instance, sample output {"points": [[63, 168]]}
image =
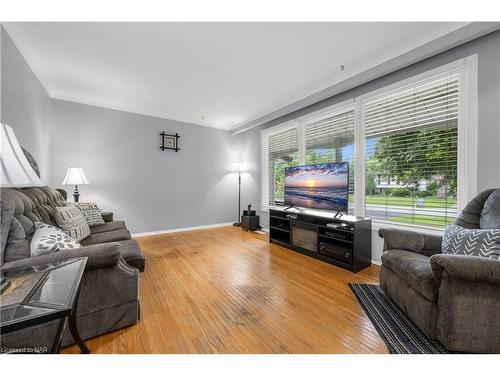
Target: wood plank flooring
{"points": [[224, 290]]}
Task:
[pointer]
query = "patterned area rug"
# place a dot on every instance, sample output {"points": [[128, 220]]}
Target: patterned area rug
{"points": [[399, 333]]}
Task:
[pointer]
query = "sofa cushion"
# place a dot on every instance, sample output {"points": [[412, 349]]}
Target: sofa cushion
{"points": [[108, 227], [413, 268], [478, 242], [111, 236], [16, 244], [6, 216], [133, 254], [490, 214], [48, 239], [70, 219], [91, 212]]}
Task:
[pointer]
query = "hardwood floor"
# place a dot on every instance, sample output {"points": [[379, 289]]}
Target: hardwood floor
{"points": [[228, 291]]}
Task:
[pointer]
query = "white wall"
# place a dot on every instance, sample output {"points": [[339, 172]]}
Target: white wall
{"points": [[151, 189], [25, 105]]}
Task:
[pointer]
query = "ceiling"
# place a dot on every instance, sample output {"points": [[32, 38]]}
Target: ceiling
{"points": [[221, 75]]}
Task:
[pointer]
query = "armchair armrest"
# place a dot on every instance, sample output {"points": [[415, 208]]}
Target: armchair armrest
{"points": [[107, 216], [397, 239], [465, 267], [99, 256]]}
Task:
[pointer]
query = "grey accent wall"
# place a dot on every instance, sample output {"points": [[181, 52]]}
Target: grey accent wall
{"points": [[150, 189], [25, 105], [488, 50]]}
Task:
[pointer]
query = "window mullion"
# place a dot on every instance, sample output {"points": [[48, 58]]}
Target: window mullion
{"points": [[359, 159], [302, 142]]}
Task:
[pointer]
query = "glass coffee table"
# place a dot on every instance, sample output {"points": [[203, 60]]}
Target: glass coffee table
{"points": [[43, 294]]}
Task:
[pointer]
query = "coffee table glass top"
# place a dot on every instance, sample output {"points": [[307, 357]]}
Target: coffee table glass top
{"points": [[38, 294]]}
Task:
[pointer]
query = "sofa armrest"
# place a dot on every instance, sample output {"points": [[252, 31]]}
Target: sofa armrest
{"points": [[397, 239], [107, 216], [98, 256], [466, 267]]}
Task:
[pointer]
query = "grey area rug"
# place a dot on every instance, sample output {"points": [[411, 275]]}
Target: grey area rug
{"points": [[399, 333]]}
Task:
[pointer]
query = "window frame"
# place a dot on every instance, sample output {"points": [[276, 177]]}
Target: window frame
{"points": [[465, 69]]}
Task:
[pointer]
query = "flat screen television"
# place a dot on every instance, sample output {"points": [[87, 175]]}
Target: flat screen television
{"points": [[322, 186]]}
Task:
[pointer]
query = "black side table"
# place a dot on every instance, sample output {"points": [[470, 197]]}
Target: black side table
{"points": [[42, 294]]}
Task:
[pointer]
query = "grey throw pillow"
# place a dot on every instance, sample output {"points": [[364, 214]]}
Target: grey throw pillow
{"points": [[490, 214], [91, 212], [70, 219], [48, 239], [479, 242]]}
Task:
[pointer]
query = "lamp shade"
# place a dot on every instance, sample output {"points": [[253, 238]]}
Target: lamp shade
{"points": [[75, 176], [15, 168], [240, 167]]}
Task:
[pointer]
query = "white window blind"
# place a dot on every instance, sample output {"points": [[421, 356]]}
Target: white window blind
{"points": [[281, 149], [332, 140], [411, 154]]}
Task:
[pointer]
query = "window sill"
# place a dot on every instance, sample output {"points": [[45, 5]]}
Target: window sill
{"points": [[378, 224]]}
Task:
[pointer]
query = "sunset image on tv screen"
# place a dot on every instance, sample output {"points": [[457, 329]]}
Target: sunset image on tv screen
{"points": [[323, 186]]}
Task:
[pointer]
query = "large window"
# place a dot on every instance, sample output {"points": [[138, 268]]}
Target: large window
{"points": [[281, 150], [332, 140], [411, 147], [411, 154]]}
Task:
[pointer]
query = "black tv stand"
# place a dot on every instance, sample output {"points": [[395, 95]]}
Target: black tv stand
{"points": [[289, 207], [344, 241]]}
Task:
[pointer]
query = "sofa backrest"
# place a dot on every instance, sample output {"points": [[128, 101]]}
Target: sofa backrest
{"points": [[45, 200], [482, 212], [29, 205]]}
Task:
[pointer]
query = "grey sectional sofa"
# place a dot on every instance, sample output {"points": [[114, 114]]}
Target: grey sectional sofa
{"points": [[452, 298], [109, 297]]}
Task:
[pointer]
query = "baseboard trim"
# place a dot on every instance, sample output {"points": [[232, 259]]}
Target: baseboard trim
{"points": [[376, 262], [185, 229]]}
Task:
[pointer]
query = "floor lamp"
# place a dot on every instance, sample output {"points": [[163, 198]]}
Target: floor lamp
{"points": [[239, 168]]}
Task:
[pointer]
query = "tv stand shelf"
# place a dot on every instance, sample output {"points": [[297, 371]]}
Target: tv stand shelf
{"points": [[343, 241]]}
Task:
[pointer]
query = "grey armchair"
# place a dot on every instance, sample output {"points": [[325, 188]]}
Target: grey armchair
{"points": [[452, 298]]}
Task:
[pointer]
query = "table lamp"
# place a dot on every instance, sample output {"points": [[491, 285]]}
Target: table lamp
{"points": [[75, 176], [15, 167]]}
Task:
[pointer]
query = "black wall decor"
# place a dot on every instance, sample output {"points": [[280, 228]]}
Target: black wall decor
{"points": [[169, 141]]}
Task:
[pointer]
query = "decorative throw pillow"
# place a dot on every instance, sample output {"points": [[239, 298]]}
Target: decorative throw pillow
{"points": [[479, 242], [48, 239], [91, 212], [70, 219]]}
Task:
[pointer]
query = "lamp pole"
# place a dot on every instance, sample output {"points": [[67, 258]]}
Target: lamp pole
{"points": [[238, 223]]}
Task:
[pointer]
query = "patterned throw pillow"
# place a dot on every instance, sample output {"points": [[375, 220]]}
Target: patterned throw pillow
{"points": [[47, 239], [479, 242], [70, 219], [91, 212]]}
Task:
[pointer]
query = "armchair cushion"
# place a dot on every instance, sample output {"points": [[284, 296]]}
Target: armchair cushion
{"points": [[99, 256], [464, 267], [490, 214], [478, 242], [415, 269], [397, 239]]}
